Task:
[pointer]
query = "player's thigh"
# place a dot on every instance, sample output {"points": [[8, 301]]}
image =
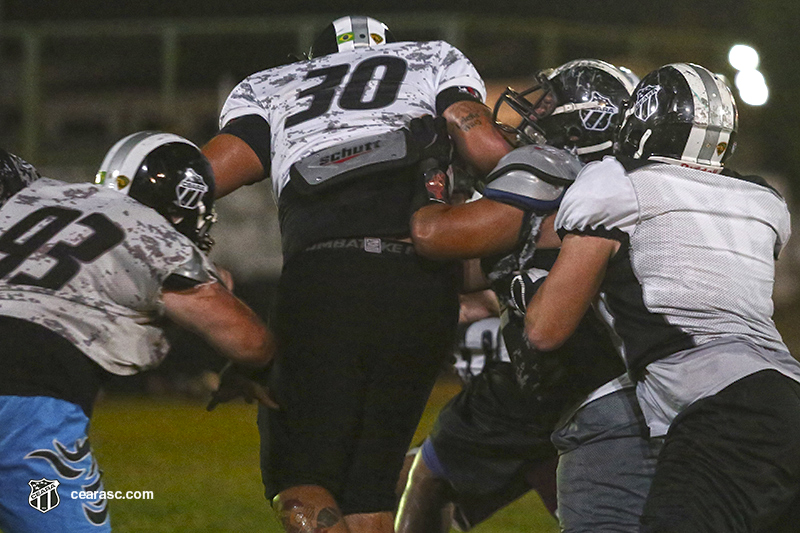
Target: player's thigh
{"points": [[488, 436], [730, 462], [48, 475], [606, 463], [309, 441], [362, 339], [400, 375]]}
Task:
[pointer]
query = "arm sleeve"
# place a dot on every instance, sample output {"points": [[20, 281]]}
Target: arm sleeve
{"points": [[601, 202], [254, 131]]}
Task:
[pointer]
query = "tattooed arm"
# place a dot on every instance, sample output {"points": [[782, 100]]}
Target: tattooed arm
{"points": [[478, 141]]}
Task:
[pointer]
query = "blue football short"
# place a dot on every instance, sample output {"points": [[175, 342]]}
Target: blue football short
{"points": [[46, 462]]}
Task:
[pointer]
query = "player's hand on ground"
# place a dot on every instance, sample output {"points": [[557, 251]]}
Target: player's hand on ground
{"points": [[235, 383]]}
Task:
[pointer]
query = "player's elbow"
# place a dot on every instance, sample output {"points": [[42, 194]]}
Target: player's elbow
{"points": [[542, 338], [426, 236]]}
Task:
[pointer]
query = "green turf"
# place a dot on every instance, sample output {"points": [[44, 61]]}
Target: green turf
{"points": [[203, 468]]}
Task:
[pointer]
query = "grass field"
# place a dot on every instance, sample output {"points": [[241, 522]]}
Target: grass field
{"points": [[203, 468]]}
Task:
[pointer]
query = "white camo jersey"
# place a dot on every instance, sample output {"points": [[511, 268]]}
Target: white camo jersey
{"points": [[88, 263], [698, 257], [316, 104]]}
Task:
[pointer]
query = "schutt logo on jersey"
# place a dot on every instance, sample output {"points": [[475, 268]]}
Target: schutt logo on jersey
{"points": [[44, 494], [347, 153]]}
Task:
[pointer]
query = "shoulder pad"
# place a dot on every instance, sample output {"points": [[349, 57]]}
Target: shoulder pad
{"points": [[533, 177], [194, 269]]}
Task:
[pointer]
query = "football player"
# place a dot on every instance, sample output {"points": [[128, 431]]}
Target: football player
{"points": [[364, 324], [681, 251], [91, 274], [515, 406]]}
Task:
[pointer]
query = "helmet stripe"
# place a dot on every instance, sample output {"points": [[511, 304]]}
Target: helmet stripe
{"points": [[360, 31], [706, 132], [598, 64], [714, 105], [344, 27], [128, 153]]}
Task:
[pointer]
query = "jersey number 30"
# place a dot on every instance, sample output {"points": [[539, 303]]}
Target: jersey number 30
{"points": [[354, 91], [49, 221]]}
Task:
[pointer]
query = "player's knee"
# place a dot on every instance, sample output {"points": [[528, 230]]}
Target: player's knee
{"points": [[307, 509]]}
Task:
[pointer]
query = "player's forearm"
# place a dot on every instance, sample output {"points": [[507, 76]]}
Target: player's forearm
{"points": [[223, 321], [245, 340], [475, 229], [477, 140], [250, 345]]}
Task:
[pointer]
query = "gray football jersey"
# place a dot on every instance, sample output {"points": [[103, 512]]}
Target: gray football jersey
{"points": [[88, 263], [698, 256], [332, 99]]}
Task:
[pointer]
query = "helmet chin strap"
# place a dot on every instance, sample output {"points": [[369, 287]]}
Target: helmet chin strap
{"points": [[594, 148], [569, 108], [646, 135]]}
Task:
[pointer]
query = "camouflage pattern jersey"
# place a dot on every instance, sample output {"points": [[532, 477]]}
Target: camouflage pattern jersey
{"points": [[312, 105], [88, 264]]}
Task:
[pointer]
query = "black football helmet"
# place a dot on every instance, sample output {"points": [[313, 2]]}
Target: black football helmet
{"points": [[15, 175], [168, 173], [349, 33], [577, 106], [682, 114]]}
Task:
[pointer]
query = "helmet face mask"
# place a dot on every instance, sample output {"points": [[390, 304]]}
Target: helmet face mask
{"points": [[681, 114], [580, 108], [518, 113], [349, 33], [167, 173]]}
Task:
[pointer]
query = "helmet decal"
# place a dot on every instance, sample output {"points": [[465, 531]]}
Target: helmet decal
{"points": [[646, 102], [191, 189], [599, 117], [349, 33]]}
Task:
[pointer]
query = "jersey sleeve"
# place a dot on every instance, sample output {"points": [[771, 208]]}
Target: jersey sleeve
{"points": [[601, 202], [458, 72], [242, 101], [195, 271]]}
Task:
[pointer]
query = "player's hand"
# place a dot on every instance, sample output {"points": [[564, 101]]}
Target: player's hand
{"points": [[233, 383], [432, 139]]}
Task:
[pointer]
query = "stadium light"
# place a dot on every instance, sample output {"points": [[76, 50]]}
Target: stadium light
{"points": [[743, 57], [749, 81], [752, 87]]}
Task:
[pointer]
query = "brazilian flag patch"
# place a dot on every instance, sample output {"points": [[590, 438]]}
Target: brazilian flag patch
{"points": [[344, 38]]}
